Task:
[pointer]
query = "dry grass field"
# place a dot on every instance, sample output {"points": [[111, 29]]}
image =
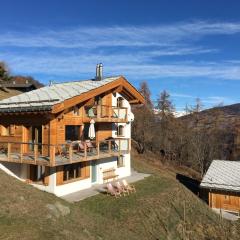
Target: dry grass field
{"points": [[161, 209]]}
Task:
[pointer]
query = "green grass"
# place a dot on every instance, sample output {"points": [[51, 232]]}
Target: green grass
{"points": [[156, 211]]}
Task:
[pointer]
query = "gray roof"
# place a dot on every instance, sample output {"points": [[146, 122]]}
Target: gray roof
{"points": [[45, 97], [222, 175]]}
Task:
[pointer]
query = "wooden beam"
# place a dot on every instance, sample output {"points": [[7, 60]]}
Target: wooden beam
{"points": [[89, 102], [118, 89], [127, 95], [135, 101]]}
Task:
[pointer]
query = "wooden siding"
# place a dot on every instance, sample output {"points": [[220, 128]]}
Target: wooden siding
{"points": [[46, 176], [53, 131], [59, 175], [225, 200], [45, 139], [103, 131]]}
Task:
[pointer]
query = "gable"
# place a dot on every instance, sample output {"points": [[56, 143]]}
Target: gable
{"points": [[120, 85]]}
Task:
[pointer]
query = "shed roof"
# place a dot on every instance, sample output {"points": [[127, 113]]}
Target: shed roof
{"points": [[222, 175], [45, 97]]}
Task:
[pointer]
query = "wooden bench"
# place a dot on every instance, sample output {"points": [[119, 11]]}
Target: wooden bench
{"points": [[109, 174]]}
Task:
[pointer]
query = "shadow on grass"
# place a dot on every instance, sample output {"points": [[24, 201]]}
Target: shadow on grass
{"points": [[190, 183]]}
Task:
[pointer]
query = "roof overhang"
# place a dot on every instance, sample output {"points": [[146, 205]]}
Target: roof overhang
{"points": [[121, 85], [223, 189]]}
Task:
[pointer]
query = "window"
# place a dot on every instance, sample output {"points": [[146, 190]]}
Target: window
{"points": [[75, 171], [72, 132], [120, 102], [120, 129], [120, 161]]}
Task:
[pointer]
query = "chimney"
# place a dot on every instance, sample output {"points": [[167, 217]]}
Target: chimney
{"points": [[99, 72]]}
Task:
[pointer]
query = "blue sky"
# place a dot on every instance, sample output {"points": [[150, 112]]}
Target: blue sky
{"points": [[189, 48]]}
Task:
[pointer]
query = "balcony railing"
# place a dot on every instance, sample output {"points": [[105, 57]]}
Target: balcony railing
{"points": [[106, 113], [61, 154]]}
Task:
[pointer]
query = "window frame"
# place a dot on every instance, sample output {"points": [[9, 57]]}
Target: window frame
{"points": [[74, 172], [120, 161], [120, 102], [120, 131]]}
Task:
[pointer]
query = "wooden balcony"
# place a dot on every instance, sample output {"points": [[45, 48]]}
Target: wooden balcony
{"points": [[104, 113], [61, 154]]}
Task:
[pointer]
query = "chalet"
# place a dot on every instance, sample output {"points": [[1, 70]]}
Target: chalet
{"points": [[222, 182], [17, 85], [66, 137]]}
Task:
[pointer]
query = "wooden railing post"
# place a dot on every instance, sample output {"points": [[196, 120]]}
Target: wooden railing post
{"points": [[109, 112], [98, 149], [70, 153], [99, 110], [85, 151], [9, 151], [52, 155], [35, 153], [129, 144], [21, 152], [109, 147]]}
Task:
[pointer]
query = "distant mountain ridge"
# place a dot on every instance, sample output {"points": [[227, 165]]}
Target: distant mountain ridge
{"points": [[226, 118], [229, 115]]}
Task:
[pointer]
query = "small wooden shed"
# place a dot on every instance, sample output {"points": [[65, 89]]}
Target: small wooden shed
{"points": [[222, 181]]}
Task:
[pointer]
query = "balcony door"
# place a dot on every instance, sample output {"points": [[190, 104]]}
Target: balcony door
{"points": [[35, 137]]}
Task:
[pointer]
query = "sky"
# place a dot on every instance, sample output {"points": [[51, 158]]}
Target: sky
{"points": [[189, 48]]}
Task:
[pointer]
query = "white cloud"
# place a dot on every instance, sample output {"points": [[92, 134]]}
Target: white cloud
{"points": [[128, 50], [181, 95], [128, 36], [132, 65]]}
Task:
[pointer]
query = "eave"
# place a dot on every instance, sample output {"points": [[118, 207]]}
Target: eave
{"points": [[126, 89]]}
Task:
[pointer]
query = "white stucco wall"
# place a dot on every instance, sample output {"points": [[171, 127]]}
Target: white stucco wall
{"points": [[126, 170], [64, 189], [16, 170]]}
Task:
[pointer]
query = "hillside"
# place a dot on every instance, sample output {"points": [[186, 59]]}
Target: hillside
{"points": [[156, 211], [228, 116]]}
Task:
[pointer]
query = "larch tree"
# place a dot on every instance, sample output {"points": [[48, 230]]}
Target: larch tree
{"points": [[164, 104], [144, 119]]}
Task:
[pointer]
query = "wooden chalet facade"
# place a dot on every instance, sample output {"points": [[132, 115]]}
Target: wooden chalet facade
{"points": [[222, 184], [44, 134]]}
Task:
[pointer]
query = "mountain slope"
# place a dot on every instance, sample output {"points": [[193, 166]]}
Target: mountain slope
{"points": [[156, 211]]}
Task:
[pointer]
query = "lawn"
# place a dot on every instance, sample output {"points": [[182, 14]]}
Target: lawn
{"points": [[161, 209]]}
